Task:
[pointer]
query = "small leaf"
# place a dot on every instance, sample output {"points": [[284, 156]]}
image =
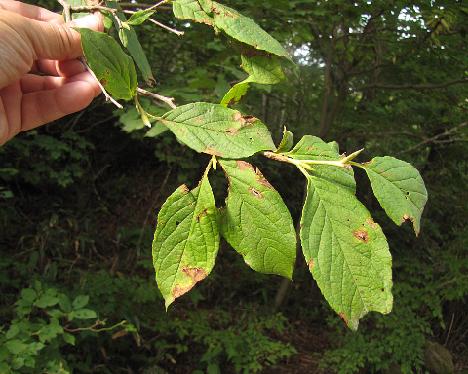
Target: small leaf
{"points": [[216, 130], [186, 240], [83, 314], [235, 93], [399, 188], [80, 302], [346, 251], [191, 10], [129, 39], [313, 148], [114, 69], [256, 222], [287, 142], [140, 16], [261, 70], [64, 303], [46, 300], [69, 338], [156, 130]]}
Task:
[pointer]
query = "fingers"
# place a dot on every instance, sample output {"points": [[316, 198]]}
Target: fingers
{"points": [[42, 107], [56, 68], [30, 11], [32, 83]]}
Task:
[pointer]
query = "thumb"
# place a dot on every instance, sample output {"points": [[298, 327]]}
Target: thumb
{"points": [[56, 41]]}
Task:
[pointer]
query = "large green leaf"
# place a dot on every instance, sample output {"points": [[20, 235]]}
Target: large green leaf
{"points": [[191, 10], [399, 188], [186, 240], [346, 251], [216, 130], [261, 70], [244, 29], [233, 23], [114, 69], [256, 222], [129, 39]]}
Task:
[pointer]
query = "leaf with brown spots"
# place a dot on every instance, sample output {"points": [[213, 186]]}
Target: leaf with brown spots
{"points": [[399, 188], [112, 67], [256, 222], [346, 250], [186, 240], [216, 130]]}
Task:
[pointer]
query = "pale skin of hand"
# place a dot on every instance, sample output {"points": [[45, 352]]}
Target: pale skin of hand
{"points": [[41, 78]]}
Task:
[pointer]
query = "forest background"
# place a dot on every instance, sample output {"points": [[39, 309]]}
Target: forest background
{"points": [[79, 200]]}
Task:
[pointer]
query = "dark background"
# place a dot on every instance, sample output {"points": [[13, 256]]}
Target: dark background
{"points": [[79, 199]]}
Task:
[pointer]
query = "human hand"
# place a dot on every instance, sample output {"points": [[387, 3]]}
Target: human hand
{"points": [[41, 78]]}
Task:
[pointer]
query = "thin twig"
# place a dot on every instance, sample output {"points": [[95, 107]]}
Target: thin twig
{"points": [[168, 100], [177, 32]]}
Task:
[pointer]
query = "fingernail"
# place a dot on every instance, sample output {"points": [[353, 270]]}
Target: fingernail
{"points": [[90, 22]]}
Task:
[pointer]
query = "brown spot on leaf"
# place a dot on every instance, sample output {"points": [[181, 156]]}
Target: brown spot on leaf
{"points": [[262, 180], [311, 264], [361, 235], [255, 193], [213, 152], [242, 165], [179, 291], [343, 318], [244, 120], [407, 218], [371, 223], [204, 213], [103, 81], [197, 274], [184, 188], [232, 131]]}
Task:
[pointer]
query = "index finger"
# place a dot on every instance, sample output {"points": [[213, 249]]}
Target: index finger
{"points": [[31, 11]]}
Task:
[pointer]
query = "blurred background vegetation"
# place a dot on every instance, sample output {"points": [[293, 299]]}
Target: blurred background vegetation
{"points": [[79, 199]]}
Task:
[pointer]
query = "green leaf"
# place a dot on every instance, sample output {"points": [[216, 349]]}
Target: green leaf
{"points": [[156, 130], [399, 188], [64, 303], [244, 29], [129, 39], [83, 314], [345, 249], [287, 142], [80, 302], [219, 131], [261, 70], [16, 346], [69, 338], [114, 69], [313, 148], [191, 10], [235, 93], [46, 300], [186, 240], [256, 222], [140, 16]]}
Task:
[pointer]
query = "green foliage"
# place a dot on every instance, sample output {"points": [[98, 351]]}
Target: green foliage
{"points": [[34, 340]]}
